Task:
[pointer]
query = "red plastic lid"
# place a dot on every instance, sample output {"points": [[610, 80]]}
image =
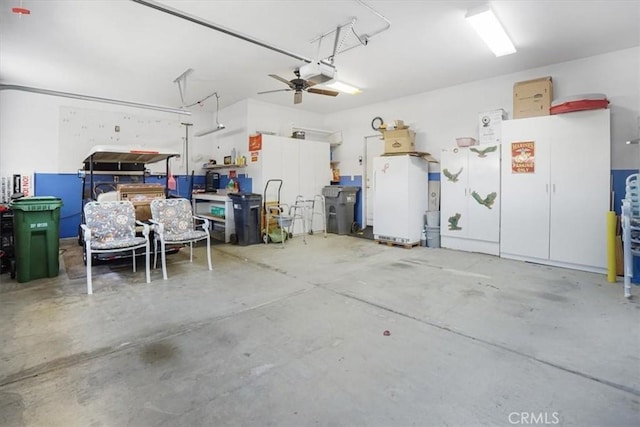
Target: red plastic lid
{"points": [[584, 104]]}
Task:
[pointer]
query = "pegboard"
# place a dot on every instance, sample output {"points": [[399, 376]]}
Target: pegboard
{"points": [[81, 129]]}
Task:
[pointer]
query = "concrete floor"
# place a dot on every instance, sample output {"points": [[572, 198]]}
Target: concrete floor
{"points": [[294, 337]]}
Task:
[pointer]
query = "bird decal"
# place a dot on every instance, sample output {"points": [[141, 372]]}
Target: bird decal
{"points": [[453, 177], [487, 201], [483, 153], [453, 222]]}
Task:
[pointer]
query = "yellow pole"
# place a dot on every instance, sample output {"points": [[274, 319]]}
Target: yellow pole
{"points": [[611, 247]]}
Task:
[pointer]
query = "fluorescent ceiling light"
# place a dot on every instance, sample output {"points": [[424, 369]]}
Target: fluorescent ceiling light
{"points": [[343, 87], [490, 30]]}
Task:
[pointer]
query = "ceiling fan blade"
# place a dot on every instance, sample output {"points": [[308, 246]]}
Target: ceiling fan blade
{"points": [[297, 97], [276, 90], [323, 91], [283, 80]]}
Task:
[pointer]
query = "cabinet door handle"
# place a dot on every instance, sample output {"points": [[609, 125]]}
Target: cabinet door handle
{"points": [[554, 188], [546, 187]]}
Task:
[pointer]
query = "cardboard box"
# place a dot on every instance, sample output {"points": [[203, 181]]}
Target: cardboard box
{"points": [[141, 196], [490, 126], [532, 98], [399, 141], [393, 125]]}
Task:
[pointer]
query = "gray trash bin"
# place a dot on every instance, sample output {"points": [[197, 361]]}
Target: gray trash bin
{"points": [[339, 201]]}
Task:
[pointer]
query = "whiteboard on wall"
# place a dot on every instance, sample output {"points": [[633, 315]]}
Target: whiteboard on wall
{"points": [[81, 129]]}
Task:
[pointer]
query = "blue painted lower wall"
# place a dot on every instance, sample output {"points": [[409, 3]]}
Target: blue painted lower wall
{"points": [[68, 187]]}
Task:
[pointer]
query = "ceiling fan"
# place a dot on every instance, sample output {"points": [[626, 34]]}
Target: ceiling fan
{"points": [[299, 85]]}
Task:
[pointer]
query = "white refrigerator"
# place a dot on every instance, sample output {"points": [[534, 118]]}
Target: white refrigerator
{"points": [[400, 198]]}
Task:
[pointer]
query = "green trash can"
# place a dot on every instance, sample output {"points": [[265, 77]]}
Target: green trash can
{"points": [[36, 224]]}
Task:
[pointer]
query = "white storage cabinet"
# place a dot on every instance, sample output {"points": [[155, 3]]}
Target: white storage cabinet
{"points": [[556, 215], [303, 165], [470, 198]]}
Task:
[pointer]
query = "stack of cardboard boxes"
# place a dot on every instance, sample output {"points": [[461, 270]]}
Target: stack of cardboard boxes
{"points": [[398, 138]]}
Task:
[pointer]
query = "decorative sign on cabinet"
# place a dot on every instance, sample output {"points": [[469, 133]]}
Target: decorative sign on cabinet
{"points": [[555, 189], [470, 198]]}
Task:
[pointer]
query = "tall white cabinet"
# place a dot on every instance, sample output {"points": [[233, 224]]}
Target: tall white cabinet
{"points": [[470, 198], [302, 165], [554, 210]]}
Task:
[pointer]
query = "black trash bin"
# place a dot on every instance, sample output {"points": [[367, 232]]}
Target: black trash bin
{"points": [[246, 216], [339, 201]]}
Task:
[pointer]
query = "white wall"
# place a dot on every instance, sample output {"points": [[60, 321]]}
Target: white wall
{"points": [[31, 141], [247, 117], [220, 144], [438, 117], [29, 123], [272, 118]]}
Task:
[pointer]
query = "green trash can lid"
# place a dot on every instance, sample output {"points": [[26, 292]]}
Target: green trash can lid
{"points": [[40, 203]]}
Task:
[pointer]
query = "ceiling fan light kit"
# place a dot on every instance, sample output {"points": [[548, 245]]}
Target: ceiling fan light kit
{"points": [[344, 87]]}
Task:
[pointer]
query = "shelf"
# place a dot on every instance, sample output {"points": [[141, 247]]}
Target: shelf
{"points": [[203, 203], [85, 173], [333, 137], [214, 167], [212, 217]]}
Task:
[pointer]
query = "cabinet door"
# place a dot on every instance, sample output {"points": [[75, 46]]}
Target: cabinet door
{"points": [[314, 174], [483, 194], [524, 218], [453, 192], [580, 170], [290, 171], [315, 169], [271, 165]]}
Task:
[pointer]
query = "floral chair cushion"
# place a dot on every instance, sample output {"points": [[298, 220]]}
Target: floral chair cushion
{"points": [[112, 225], [177, 218]]}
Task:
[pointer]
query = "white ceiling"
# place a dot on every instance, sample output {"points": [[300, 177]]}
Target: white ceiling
{"points": [[124, 50]]}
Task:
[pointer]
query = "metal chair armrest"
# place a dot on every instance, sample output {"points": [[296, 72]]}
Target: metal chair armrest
{"points": [[86, 232], [145, 228], [204, 224]]}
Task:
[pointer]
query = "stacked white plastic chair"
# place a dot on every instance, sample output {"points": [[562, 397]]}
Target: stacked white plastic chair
{"points": [[630, 229]]}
